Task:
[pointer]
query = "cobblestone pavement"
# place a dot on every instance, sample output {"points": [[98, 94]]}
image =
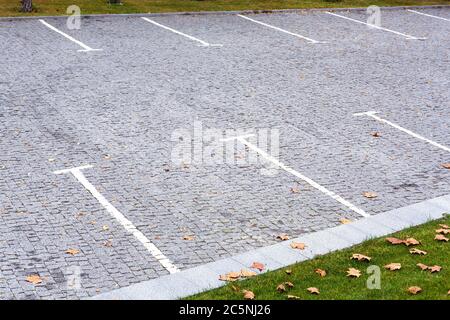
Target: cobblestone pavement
{"points": [[117, 110]]}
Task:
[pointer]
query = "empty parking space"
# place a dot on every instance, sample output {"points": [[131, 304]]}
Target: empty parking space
{"points": [[134, 213]]}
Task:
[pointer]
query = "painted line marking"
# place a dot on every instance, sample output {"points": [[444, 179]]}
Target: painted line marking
{"points": [[202, 43], [407, 36], [127, 224], [428, 15], [311, 182], [373, 115], [86, 48], [281, 30]]}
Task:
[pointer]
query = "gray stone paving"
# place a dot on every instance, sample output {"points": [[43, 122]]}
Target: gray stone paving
{"points": [[117, 109]]}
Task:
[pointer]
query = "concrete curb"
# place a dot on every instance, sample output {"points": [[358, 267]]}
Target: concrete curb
{"points": [[225, 12], [205, 277]]}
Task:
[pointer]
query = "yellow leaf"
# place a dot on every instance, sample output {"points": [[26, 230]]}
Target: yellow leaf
{"points": [[34, 279], [292, 297], [72, 251], [281, 288], [345, 221], [313, 290]]}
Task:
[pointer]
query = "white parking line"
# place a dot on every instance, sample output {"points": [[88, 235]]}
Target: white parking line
{"points": [[281, 30], [86, 48], [127, 224], [407, 36], [373, 115], [428, 15], [311, 182], [202, 43]]}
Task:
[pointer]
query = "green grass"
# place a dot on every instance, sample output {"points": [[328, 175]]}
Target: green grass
{"points": [[336, 285], [58, 7]]}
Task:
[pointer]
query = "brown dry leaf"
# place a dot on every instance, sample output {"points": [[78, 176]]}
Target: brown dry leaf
{"points": [[443, 231], [440, 237], [446, 165], [34, 279], [422, 266], [414, 290], [283, 237], [448, 292], [345, 221], [298, 245], [72, 251], [188, 238], [288, 271], [107, 243], [289, 284], [295, 190], [352, 272], [435, 268], [230, 276], [393, 266], [394, 241], [257, 265], [321, 272], [281, 288], [292, 297], [444, 226], [360, 257], [248, 295], [370, 194], [417, 251], [375, 134], [247, 273], [106, 156], [313, 290], [411, 242]]}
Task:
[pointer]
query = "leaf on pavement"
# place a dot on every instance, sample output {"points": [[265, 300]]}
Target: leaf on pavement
{"points": [[230, 276], [440, 237], [188, 238], [345, 221], [375, 134], [313, 290], [360, 257], [257, 265], [248, 295], [72, 251], [417, 251], [370, 194], [393, 266], [321, 272], [247, 273], [446, 165], [298, 245], [352, 272], [414, 290], [295, 190], [34, 279], [283, 237], [422, 266]]}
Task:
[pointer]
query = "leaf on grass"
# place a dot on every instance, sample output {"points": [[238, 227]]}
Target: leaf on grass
{"points": [[289, 284], [411, 242], [370, 194], [248, 295], [352, 272], [34, 279], [345, 221], [435, 268], [444, 226], [321, 272], [446, 165], [288, 271], [292, 297], [394, 241], [283, 237], [414, 290], [298, 245], [313, 290], [422, 266], [440, 237], [247, 273], [72, 251], [417, 251], [443, 231], [257, 265], [393, 266], [281, 288], [360, 257], [235, 288]]}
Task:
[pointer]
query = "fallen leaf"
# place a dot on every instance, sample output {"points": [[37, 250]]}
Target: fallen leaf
{"points": [[298, 245], [107, 243], [288, 271], [352, 272], [313, 290], [105, 228], [448, 292], [393, 266], [411, 242], [422, 266], [394, 241], [289, 284], [443, 231], [34, 279], [370, 195], [375, 134], [321, 272], [444, 226], [230, 276], [417, 251], [360, 257], [446, 165], [414, 290], [283, 237], [247, 273], [292, 297], [235, 289], [257, 265], [345, 221], [188, 238], [281, 288], [72, 251], [106, 157], [435, 268], [248, 295], [295, 190], [440, 237]]}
